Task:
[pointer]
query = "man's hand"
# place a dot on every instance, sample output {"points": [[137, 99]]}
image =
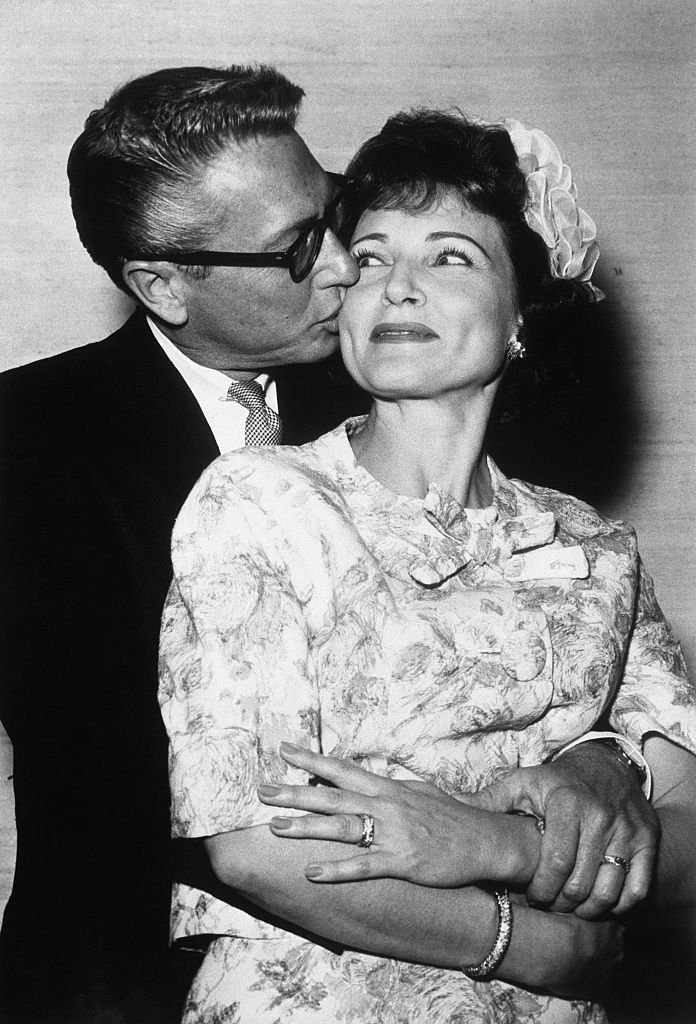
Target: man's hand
{"points": [[593, 806]]}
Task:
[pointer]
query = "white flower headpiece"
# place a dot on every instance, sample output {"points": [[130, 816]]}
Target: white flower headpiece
{"points": [[552, 211]]}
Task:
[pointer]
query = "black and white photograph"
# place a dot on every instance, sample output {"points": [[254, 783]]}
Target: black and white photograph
{"points": [[347, 512]]}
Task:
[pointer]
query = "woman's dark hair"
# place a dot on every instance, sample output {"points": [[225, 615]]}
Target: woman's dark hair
{"points": [[135, 171], [421, 154]]}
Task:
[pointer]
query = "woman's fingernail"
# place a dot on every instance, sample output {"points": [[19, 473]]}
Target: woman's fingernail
{"points": [[267, 790], [281, 824], [289, 748], [313, 871]]}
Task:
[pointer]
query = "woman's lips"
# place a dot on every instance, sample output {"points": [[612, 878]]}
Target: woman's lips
{"points": [[402, 331]]}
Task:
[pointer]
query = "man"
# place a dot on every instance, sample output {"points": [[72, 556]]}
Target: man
{"points": [[102, 445], [176, 176]]}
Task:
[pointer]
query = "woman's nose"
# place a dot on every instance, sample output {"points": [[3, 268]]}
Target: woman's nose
{"points": [[401, 286]]}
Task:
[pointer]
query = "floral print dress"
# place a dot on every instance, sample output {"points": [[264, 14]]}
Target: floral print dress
{"points": [[311, 604]]}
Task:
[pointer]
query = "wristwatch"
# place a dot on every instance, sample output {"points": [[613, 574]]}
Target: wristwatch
{"points": [[624, 750], [626, 756]]}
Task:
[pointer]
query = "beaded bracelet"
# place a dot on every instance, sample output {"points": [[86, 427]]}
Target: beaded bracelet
{"points": [[483, 970]]}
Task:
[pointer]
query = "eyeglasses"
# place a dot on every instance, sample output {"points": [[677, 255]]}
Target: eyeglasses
{"points": [[298, 259]]}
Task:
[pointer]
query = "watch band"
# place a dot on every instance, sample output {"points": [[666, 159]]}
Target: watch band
{"points": [[625, 751], [625, 757]]}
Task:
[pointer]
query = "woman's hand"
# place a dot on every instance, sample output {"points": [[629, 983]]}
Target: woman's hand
{"points": [[421, 834]]}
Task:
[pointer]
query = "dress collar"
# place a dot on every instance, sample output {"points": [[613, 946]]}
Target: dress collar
{"points": [[517, 544]]}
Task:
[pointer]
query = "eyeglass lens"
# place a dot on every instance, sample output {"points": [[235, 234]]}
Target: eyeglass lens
{"points": [[308, 246], [306, 250]]}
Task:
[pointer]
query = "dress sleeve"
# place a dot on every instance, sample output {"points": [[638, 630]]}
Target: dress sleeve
{"points": [[655, 694], [236, 675]]}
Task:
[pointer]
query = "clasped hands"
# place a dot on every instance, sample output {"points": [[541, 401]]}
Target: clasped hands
{"points": [[591, 804]]}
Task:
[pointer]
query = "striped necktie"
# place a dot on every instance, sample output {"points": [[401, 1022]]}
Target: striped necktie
{"points": [[263, 425]]}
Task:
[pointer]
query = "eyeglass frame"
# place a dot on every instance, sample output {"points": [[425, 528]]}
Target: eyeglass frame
{"points": [[219, 258]]}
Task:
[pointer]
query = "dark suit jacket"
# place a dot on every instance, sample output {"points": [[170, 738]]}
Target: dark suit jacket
{"points": [[99, 448]]}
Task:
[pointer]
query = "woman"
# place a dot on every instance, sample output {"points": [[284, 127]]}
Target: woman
{"points": [[386, 594]]}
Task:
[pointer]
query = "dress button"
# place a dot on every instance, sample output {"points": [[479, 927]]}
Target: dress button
{"points": [[523, 654]]}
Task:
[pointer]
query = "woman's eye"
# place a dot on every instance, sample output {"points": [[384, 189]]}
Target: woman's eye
{"points": [[453, 258], [364, 258]]}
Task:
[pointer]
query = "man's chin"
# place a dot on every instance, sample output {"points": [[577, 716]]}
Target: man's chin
{"points": [[318, 344], [322, 344]]}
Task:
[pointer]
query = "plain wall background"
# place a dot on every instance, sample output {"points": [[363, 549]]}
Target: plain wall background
{"points": [[613, 83]]}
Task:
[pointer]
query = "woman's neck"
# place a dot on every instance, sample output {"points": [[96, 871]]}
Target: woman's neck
{"points": [[409, 445]]}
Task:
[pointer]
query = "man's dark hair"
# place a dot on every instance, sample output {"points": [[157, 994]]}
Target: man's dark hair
{"points": [[136, 169]]}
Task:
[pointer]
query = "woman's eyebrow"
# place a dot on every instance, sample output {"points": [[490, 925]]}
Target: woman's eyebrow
{"points": [[376, 236], [436, 236]]}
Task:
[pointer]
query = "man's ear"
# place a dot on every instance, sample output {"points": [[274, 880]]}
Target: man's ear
{"points": [[160, 287]]}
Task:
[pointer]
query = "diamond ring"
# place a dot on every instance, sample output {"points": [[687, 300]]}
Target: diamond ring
{"points": [[368, 830], [620, 862]]}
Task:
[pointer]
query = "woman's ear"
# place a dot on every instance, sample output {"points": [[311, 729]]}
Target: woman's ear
{"points": [[160, 287]]}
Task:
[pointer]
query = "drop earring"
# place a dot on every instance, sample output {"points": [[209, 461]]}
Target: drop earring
{"points": [[515, 348]]}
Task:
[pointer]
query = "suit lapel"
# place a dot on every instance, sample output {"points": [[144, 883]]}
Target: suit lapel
{"points": [[153, 409]]}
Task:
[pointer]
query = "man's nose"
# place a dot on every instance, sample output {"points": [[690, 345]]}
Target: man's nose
{"points": [[335, 265]]}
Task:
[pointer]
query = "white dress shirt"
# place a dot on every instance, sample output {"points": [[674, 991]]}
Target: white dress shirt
{"points": [[225, 418]]}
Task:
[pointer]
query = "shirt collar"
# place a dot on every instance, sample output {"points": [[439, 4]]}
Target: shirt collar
{"points": [[207, 383]]}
